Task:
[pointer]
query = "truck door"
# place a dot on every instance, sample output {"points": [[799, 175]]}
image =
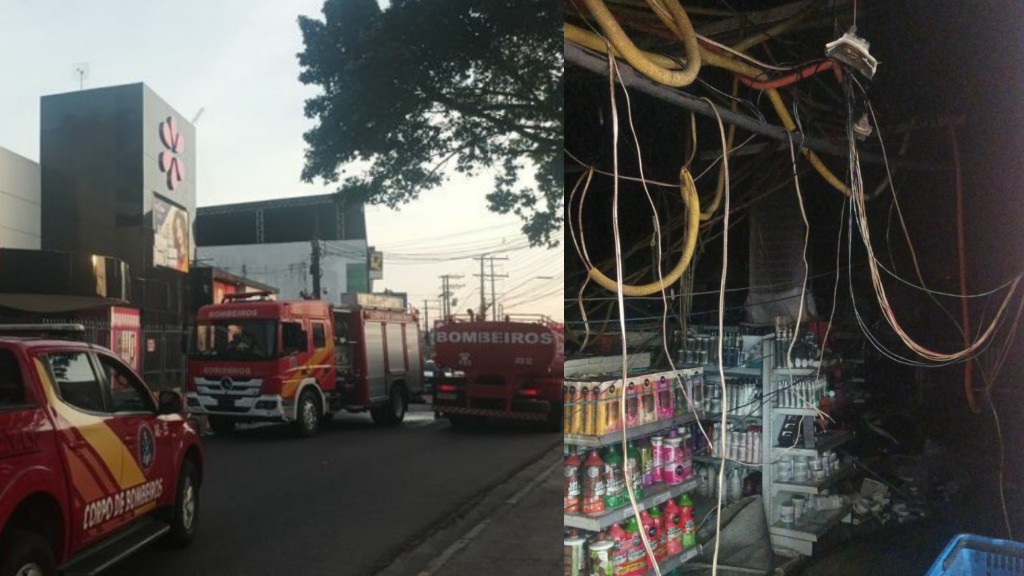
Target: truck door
{"points": [[376, 379], [90, 447], [147, 468]]}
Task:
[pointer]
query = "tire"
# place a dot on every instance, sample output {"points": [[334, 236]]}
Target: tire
{"points": [[222, 426], [307, 414], [26, 554], [185, 516], [392, 413]]}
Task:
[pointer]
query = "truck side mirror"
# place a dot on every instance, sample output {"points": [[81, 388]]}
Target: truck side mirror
{"points": [[170, 402]]}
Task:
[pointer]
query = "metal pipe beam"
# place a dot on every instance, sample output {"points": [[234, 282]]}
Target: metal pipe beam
{"points": [[633, 79]]}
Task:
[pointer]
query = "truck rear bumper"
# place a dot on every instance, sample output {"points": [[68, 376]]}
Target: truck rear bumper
{"points": [[533, 416], [265, 407]]}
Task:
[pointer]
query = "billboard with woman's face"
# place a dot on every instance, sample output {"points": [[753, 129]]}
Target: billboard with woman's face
{"points": [[172, 245]]}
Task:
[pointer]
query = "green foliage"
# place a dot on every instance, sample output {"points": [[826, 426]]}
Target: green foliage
{"points": [[430, 85]]}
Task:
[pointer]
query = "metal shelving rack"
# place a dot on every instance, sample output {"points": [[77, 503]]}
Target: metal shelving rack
{"points": [[654, 496], [801, 535]]}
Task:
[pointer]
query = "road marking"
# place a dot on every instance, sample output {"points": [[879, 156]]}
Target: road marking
{"points": [[437, 563]]}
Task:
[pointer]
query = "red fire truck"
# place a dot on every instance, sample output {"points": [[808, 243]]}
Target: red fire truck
{"points": [[257, 359], [504, 370]]}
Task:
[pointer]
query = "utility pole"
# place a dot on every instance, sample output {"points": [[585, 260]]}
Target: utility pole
{"points": [[446, 293], [494, 297], [314, 266], [483, 288]]}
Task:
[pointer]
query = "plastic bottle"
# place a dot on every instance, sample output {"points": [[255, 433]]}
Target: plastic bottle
{"points": [[660, 542], [634, 471], [621, 543], [594, 487], [735, 485], [672, 455], [636, 555], [571, 489], [657, 458], [689, 526], [651, 529], [673, 519], [615, 479]]}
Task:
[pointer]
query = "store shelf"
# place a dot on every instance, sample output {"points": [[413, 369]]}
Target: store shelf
{"points": [[711, 371], [796, 411], [673, 563], [717, 459], [636, 432], [798, 371], [811, 525], [652, 497], [822, 443], [812, 486]]}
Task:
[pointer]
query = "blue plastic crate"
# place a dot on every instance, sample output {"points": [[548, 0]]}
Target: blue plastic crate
{"points": [[969, 555]]}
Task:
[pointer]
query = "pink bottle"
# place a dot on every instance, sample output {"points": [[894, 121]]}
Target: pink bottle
{"points": [[665, 406], [658, 457], [672, 454]]}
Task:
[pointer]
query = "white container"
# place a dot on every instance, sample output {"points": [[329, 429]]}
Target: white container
{"points": [[799, 504], [787, 512]]}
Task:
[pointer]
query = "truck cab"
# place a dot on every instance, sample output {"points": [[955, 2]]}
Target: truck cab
{"points": [[93, 463]]}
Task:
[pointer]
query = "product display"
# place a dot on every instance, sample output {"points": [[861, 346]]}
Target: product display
{"points": [[656, 463]]}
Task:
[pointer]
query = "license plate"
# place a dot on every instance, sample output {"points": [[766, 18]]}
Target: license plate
{"points": [[224, 403], [446, 396]]}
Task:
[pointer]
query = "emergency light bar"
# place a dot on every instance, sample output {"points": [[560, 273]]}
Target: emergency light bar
{"points": [[42, 330]]}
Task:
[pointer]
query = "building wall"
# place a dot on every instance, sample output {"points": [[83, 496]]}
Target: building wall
{"points": [[286, 266], [20, 199]]}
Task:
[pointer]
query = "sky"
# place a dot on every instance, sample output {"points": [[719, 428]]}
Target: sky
{"points": [[231, 66]]}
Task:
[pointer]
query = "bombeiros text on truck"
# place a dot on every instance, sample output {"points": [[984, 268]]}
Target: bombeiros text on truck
{"points": [[301, 361], [510, 369]]}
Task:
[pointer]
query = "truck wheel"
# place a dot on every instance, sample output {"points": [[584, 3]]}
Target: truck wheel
{"points": [[222, 426], [186, 506], [393, 412], [307, 414], [26, 554]]}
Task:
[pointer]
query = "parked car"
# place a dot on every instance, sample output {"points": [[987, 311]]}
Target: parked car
{"points": [[94, 464]]}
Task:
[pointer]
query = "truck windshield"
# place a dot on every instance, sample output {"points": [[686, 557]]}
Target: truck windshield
{"points": [[233, 340]]}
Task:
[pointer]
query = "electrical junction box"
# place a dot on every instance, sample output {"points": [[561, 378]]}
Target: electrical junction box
{"points": [[853, 51]]}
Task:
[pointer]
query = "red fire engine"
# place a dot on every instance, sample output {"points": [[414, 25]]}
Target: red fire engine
{"points": [[302, 361], [506, 370]]}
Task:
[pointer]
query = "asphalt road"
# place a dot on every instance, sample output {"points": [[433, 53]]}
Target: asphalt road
{"points": [[343, 503]]}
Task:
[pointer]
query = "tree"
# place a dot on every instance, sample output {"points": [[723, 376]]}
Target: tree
{"points": [[426, 86]]}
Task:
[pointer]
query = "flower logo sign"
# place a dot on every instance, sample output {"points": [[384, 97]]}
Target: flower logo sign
{"points": [[170, 162]]}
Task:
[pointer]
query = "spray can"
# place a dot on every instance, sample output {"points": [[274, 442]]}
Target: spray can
{"points": [[587, 411], [612, 395], [575, 421]]}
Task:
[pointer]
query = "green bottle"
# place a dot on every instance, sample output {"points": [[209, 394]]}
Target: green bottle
{"points": [[636, 554], [614, 478], [634, 470], [689, 526]]}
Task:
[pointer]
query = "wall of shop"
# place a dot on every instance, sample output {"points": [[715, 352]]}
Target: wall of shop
{"points": [[20, 199], [286, 266]]}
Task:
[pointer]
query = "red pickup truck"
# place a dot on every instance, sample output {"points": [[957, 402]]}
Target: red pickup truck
{"points": [[93, 464]]}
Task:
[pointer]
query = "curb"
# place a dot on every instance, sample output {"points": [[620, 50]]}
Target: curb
{"points": [[446, 538]]}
